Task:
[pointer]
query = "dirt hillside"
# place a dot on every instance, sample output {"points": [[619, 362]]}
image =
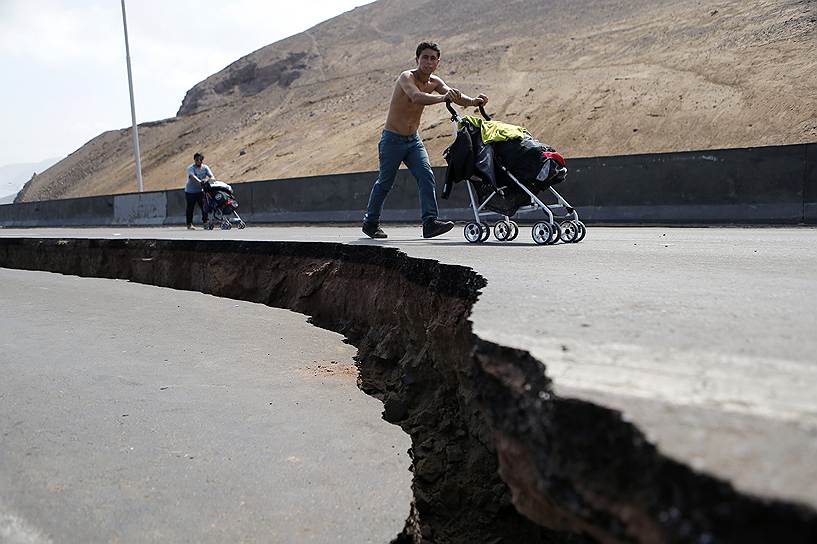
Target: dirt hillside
{"points": [[589, 77]]}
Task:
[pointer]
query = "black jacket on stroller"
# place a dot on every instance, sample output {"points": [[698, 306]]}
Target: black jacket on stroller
{"points": [[533, 163]]}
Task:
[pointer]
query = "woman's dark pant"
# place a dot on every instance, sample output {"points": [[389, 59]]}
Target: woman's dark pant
{"points": [[192, 200]]}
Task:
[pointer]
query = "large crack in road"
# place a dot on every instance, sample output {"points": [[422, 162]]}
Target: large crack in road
{"points": [[496, 455]]}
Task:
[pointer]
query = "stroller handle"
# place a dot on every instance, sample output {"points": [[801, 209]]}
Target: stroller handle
{"points": [[456, 117]]}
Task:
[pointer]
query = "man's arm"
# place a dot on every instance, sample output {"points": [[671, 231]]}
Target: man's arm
{"points": [[409, 86], [455, 96], [191, 176], [194, 177]]}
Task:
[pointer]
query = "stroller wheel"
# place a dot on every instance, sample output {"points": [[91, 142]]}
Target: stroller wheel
{"points": [[541, 233], [514, 231], [570, 231], [555, 234], [242, 225], [473, 232], [582, 232], [486, 231], [226, 226], [502, 231]]}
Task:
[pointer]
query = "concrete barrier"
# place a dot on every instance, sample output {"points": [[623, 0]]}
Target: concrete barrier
{"points": [[752, 185], [140, 208], [337, 198], [810, 185], [318, 198], [761, 185], [69, 212], [176, 204]]}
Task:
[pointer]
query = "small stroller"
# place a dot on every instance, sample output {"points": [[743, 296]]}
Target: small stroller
{"points": [[220, 204], [504, 178]]}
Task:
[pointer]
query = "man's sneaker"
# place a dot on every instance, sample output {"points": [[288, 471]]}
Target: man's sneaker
{"points": [[191, 227], [435, 228], [373, 230]]}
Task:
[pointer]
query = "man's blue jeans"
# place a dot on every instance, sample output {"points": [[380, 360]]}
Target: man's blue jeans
{"points": [[395, 149]]}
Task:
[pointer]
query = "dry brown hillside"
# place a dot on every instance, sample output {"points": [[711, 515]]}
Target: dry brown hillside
{"points": [[590, 77]]}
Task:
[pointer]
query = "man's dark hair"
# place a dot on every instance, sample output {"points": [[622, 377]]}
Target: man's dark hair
{"points": [[197, 155], [427, 45]]}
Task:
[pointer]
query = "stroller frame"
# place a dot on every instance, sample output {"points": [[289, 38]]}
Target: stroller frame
{"points": [[224, 221], [567, 228], [217, 216]]}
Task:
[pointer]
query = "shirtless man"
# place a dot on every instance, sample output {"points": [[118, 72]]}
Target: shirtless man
{"points": [[400, 143]]}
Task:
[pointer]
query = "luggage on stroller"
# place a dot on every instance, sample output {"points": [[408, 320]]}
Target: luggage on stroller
{"points": [[505, 168], [220, 204]]}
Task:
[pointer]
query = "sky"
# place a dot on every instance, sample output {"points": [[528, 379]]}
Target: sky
{"points": [[64, 76]]}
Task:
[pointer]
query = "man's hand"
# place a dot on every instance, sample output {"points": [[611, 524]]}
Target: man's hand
{"points": [[454, 96], [481, 100]]}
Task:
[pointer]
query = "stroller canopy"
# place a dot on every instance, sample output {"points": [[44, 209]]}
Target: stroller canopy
{"points": [[213, 186]]}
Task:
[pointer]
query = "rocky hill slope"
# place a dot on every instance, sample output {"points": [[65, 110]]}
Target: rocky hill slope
{"points": [[590, 77]]}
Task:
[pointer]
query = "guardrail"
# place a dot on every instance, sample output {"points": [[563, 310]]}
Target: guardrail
{"points": [[759, 185]]}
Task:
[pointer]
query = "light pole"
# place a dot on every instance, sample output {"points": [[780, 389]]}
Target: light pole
{"points": [[132, 106]]}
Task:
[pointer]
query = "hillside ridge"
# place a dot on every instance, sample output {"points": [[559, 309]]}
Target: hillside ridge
{"points": [[589, 77]]}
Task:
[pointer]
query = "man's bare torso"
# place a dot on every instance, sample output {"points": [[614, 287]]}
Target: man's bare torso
{"points": [[404, 115]]}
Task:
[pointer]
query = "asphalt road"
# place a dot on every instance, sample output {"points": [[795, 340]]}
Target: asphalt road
{"points": [[133, 413], [703, 337]]}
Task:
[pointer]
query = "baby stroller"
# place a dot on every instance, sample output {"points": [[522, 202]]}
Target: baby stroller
{"points": [[220, 204], [504, 178]]}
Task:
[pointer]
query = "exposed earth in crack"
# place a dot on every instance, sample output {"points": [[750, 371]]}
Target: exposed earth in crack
{"points": [[496, 455]]}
